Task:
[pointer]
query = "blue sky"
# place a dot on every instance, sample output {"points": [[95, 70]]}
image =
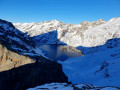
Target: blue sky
{"points": [[68, 11]]}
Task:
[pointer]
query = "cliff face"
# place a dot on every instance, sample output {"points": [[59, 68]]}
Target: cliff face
{"points": [[18, 72], [31, 75], [9, 59]]}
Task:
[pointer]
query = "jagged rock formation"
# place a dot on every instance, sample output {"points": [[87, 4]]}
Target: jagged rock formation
{"points": [[9, 59], [34, 29], [71, 34], [87, 33]]}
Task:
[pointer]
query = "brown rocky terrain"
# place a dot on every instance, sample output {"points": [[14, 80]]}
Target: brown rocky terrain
{"points": [[18, 72], [9, 59]]}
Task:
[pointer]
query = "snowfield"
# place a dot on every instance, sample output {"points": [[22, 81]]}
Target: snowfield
{"points": [[100, 68], [65, 86]]}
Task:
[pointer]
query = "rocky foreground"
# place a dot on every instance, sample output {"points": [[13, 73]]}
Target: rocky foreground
{"points": [[18, 72], [31, 75]]}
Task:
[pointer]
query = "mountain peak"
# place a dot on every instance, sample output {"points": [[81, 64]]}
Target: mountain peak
{"points": [[101, 19]]}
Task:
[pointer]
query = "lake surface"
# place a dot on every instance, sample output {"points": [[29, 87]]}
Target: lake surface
{"points": [[60, 52]]}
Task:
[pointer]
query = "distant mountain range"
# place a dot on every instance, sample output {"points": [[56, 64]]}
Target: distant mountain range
{"points": [[86, 34]]}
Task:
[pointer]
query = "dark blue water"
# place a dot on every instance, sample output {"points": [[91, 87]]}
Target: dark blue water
{"points": [[60, 52]]}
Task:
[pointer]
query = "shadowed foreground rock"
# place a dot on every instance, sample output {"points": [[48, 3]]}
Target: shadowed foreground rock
{"points": [[31, 75]]}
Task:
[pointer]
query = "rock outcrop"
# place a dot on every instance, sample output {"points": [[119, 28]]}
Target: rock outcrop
{"points": [[9, 59], [15, 40], [18, 72], [31, 75]]}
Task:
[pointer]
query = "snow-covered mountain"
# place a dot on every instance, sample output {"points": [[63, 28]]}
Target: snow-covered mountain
{"points": [[84, 34], [16, 40]]}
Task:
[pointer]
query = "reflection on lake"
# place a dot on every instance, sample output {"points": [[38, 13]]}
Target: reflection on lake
{"points": [[60, 52]]}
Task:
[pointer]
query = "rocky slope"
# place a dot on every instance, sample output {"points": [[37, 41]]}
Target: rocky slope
{"points": [[86, 34], [17, 70], [31, 75], [9, 59], [17, 41]]}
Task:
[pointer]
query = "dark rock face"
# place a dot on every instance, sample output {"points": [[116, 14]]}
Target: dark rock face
{"points": [[31, 75], [14, 39]]}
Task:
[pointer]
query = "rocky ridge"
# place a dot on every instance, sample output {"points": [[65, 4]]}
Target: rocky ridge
{"points": [[87, 33], [66, 33], [17, 41]]}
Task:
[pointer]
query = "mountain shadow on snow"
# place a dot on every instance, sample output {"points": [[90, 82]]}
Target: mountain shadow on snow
{"points": [[47, 38], [111, 43]]}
